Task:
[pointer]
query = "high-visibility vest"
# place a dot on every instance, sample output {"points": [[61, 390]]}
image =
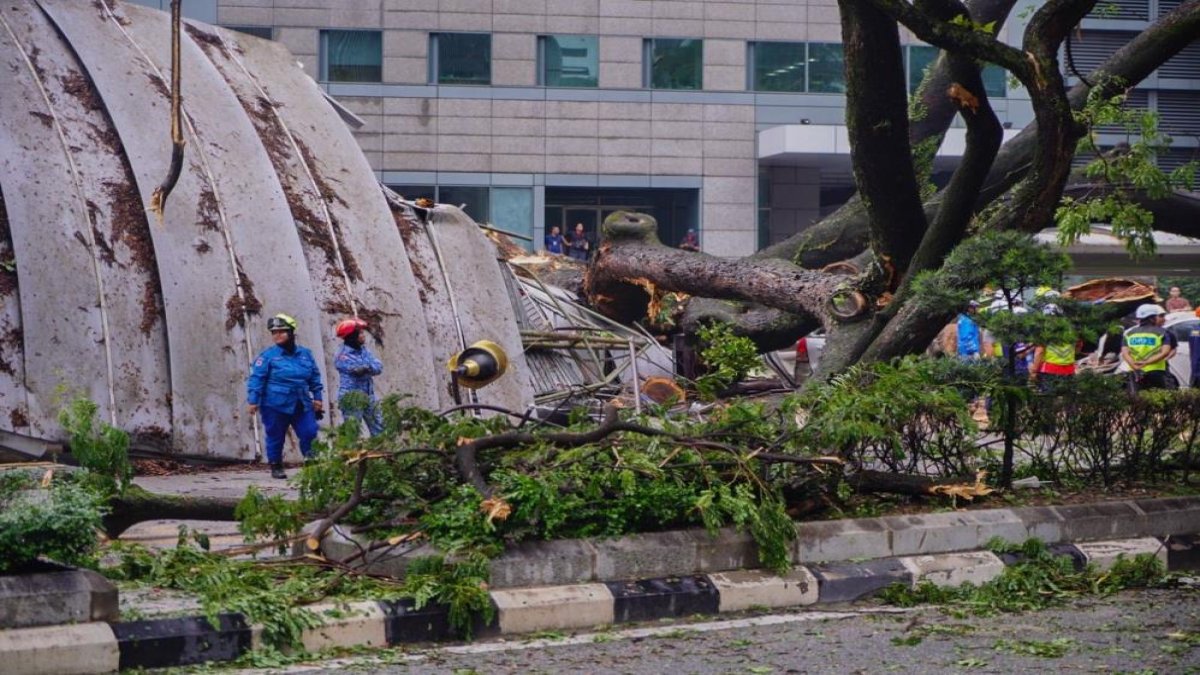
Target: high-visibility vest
{"points": [[1144, 342], [1062, 354]]}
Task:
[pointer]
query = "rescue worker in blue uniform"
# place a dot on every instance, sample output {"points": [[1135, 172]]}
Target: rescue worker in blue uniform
{"points": [[358, 368], [285, 388]]}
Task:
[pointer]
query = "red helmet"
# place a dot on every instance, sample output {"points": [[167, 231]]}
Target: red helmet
{"points": [[347, 326]]}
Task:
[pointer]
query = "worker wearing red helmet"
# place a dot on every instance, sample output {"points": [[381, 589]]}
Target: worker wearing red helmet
{"points": [[358, 368]]}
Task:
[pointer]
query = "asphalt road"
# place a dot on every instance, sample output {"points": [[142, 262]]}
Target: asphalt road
{"points": [[1152, 631]]}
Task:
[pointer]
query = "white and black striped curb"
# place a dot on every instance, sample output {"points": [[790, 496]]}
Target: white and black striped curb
{"points": [[689, 552], [104, 647]]}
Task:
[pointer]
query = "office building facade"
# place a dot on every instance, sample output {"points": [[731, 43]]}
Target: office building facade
{"points": [[722, 116]]}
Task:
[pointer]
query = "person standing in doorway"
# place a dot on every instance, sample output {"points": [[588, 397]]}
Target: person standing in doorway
{"points": [[284, 388], [690, 241], [1176, 302], [579, 246], [554, 241]]}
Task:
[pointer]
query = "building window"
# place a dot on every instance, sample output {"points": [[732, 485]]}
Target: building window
{"points": [[919, 60], [460, 58], [669, 63], [264, 31], [826, 68], [351, 56], [568, 61], [920, 57], [995, 81], [512, 211], [473, 200], [777, 66], [414, 192]]}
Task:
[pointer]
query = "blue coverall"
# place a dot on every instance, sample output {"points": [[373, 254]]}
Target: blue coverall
{"points": [[358, 367], [284, 385]]}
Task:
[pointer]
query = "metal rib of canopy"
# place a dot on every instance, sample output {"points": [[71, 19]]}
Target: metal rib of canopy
{"points": [[276, 210]]}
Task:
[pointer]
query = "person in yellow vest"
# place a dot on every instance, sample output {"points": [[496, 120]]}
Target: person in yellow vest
{"points": [[1053, 363], [1147, 347]]}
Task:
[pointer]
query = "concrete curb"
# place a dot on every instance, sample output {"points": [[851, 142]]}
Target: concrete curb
{"points": [[691, 552], [103, 647]]}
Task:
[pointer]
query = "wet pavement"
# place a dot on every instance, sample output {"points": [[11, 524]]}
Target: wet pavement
{"points": [[1149, 631]]}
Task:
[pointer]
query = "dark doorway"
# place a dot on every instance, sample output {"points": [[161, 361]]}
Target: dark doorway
{"points": [[675, 209]]}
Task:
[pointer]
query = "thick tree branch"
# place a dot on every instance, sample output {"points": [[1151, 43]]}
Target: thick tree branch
{"points": [[877, 122], [956, 38], [630, 260]]}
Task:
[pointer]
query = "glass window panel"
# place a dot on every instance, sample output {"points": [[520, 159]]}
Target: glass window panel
{"points": [[826, 68], [570, 61], [473, 200], [995, 81], [414, 192], [779, 66], [512, 211], [464, 58], [264, 32], [676, 64], [919, 58], [351, 56]]}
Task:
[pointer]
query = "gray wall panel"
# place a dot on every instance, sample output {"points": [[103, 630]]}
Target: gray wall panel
{"points": [[384, 289], [208, 361], [248, 198], [119, 235], [63, 331]]}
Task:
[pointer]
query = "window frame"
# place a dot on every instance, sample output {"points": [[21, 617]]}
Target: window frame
{"points": [[323, 54], [434, 60], [542, 63], [752, 58], [648, 64]]}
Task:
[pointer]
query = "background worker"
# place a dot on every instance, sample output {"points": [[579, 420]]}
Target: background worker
{"points": [[1147, 347], [1053, 363], [285, 387], [358, 368]]}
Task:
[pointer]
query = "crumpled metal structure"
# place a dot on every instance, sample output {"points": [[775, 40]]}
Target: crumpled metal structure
{"points": [[276, 210]]}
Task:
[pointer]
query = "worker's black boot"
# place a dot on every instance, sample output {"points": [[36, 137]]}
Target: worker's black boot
{"points": [[277, 471]]}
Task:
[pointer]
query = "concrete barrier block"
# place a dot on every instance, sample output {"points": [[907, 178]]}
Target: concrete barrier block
{"points": [[526, 610], [1000, 524], [54, 597], [932, 533], [836, 540], [659, 598], [182, 641], [1183, 552], [1103, 554], [351, 624], [742, 589], [645, 556], [954, 569], [42, 650], [544, 563], [847, 582], [729, 550], [1041, 522], [1170, 516], [1101, 522]]}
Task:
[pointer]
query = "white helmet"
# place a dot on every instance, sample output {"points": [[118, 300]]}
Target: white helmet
{"points": [[1147, 311], [1051, 310]]}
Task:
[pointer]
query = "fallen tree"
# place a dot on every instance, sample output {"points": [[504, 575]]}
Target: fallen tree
{"points": [[887, 234]]}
